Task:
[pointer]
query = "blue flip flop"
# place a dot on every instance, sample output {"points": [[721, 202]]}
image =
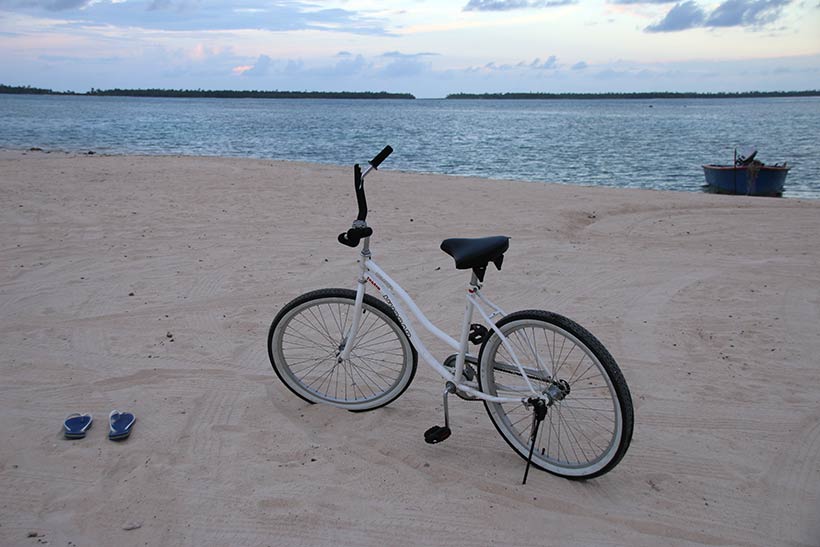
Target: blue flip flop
{"points": [[75, 426], [120, 424]]}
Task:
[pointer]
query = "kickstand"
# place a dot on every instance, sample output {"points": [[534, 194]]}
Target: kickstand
{"points": [[539, 412]]}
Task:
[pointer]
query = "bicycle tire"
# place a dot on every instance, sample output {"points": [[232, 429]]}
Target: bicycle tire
{"points": [[306, 337], [596, 417]]}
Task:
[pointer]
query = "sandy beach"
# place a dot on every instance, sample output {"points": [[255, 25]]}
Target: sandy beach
{"points": [[148, 284]]}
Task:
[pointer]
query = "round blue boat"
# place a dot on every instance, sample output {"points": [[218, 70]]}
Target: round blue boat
{"points": [[747, 180]]}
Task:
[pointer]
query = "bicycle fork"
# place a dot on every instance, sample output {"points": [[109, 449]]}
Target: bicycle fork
{"points": [[347, 343]]}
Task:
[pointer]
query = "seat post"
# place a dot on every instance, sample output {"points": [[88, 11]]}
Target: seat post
{"points": [[464, 339]]}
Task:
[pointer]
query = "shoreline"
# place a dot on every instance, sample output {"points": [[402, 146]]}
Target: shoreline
{"points": [[709, 304], [91, 153]]}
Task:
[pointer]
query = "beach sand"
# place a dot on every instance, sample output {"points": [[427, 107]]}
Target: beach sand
{"points": [[148, 284]]}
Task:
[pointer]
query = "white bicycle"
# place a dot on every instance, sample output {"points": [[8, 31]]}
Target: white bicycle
{"points": [[553, 391]]}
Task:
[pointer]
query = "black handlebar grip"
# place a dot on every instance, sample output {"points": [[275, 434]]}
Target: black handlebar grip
{"points": [[353, 236], [375, 162], [345, 241]]}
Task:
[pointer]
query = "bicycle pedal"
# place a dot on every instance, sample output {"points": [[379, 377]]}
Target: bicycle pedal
{"points": [[478, 333], [436, 434]]}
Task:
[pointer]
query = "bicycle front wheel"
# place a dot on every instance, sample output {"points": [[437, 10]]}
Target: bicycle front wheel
{"points": [[308, 335], [586, 433]]}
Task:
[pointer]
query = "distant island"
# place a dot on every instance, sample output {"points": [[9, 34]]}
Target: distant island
{"points": [[214, 94], [255, 94], [645, 95]]}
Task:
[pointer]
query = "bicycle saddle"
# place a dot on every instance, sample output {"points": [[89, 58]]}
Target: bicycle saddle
{"points": [[476, 252]]}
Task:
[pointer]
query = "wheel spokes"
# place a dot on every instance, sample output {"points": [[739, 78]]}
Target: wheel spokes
{"points": [[581, 429], [312, 341]]}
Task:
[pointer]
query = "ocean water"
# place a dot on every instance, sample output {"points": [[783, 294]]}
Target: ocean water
{"points": [[659, 144]]}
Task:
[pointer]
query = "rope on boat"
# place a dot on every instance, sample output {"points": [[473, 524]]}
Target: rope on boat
{"points": [[752, 170]]}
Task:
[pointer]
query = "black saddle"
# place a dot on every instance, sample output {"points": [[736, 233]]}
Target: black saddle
{"points": [[476, 253]]}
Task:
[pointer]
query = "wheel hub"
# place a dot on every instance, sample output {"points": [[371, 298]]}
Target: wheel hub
{"points": [[557, 391]]}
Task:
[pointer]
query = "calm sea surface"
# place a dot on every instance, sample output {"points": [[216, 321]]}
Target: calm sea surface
{"points": [[657, 144]]}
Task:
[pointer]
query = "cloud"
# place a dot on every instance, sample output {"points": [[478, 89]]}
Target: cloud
{"points": [[193, 15], [241, 69], [550, 63], [64, 59], [641, 1], [348, 65], [399, 55], [731, 13], [403, 65], [48, 5], [342, 69], [537, 68], [260, 68], [681, 17], [159, 4], [507, 5]]}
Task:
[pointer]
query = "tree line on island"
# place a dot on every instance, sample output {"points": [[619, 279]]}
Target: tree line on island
{"points": [[637, 95], [254, 94], [213, 94]]}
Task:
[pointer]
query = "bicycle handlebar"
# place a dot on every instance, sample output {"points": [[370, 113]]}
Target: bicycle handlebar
{"points": [[358, 183], [360, 230], [381, 156]]}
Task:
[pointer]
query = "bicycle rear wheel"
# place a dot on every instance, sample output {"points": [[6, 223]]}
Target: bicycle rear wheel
{"points": [[586, 433], [308, 335]]}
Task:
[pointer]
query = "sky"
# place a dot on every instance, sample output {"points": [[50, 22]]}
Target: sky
{"points": [[424, 47]]}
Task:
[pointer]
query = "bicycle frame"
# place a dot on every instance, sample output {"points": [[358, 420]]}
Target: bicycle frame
{"points": [[370, 272]]}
